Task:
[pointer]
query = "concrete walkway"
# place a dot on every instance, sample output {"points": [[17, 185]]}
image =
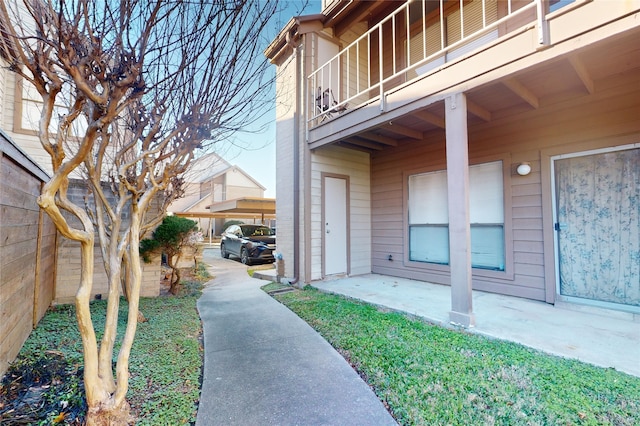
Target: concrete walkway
{"points": [[265, 366]]}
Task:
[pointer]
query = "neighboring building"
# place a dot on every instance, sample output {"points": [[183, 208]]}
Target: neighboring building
{"points": [[19, 115], [492, 145], [210, 181]]}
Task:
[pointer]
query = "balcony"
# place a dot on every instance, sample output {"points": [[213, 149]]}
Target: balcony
{"points": [[415, 41]]}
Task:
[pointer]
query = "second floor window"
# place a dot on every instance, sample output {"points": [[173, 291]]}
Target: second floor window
{"points": [[30, 106]]}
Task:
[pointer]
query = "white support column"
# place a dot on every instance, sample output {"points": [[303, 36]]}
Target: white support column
{"points": [[458, 196]]}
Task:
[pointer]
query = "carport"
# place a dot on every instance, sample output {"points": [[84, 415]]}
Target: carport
{"points": [[246, 208]]}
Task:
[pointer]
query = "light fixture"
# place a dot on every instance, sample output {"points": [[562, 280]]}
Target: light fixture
{"points": [[524, 169]]}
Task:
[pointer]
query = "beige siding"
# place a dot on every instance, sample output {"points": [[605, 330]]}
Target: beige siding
{"points": [[191, 196], [3, 89], [356, 166], [606, 118], [239, 185], [285, 108], [29, 143]]}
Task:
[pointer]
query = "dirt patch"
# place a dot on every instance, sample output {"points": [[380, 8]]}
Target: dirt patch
{"points": [[186, 274]]}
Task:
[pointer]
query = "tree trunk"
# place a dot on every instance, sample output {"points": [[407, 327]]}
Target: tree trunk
{"points": [[126, 277], [102, 415], [175, 274]]}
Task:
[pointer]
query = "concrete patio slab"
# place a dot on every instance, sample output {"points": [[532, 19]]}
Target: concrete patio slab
{"points": [[601, 337]]}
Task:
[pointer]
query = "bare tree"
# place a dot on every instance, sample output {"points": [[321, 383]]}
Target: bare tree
{"points": [[131, 91]]}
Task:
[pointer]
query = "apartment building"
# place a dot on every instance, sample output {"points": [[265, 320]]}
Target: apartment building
{"points": [[491, 145]]}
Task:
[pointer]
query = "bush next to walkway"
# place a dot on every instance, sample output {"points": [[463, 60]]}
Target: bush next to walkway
{"points": [[432, 375], [171, 237]]}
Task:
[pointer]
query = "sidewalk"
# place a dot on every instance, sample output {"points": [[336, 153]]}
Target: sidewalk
{"points": [[265, 366]]}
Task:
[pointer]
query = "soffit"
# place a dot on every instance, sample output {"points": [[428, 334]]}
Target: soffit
{"points": [[559, 80]]}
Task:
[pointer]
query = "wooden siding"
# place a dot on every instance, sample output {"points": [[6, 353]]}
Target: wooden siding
{"points": [[355, 164], [561, 125], [68, 274], [27, 255], [285, 109], [46, 266]]}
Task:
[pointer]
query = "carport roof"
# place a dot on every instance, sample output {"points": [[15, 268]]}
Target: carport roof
{"points": [[245, 205]]}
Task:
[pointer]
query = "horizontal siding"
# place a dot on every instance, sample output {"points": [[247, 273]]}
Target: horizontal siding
{"points": [[69, 267], [285, 108], [566, 123], [19, 229], [27, 142], [46, 260], [355, 165]]}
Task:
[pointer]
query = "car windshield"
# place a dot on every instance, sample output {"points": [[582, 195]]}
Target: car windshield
{"points": [[256, 231]]}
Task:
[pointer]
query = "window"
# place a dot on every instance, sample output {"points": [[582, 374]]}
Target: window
{"points": [[429, 217], [558, 4], [31, 110]]}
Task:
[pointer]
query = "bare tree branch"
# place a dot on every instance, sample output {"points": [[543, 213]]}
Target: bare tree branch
{"points": [[131, 92]]}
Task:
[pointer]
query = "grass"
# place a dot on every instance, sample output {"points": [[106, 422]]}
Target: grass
{"points": [[429, 375], [165, 364], [274, 287]]}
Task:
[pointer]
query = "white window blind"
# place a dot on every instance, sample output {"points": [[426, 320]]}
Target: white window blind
{"points": [[429, 221]]}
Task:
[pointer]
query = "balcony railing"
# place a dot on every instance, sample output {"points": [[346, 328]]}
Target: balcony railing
{"points": [[413, 41]]}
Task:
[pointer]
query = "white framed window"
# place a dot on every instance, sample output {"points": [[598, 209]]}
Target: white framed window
{"points": [[30, 106], [429, 217]]}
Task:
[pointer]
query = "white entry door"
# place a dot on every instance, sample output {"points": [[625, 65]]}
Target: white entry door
{"points": [[335, 225]]}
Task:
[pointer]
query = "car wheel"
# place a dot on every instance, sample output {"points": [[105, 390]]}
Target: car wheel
{"points": [[244, 256], [223, 252]]}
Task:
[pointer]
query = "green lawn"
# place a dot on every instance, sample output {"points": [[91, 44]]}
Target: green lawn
{"points": [[429, 375]]}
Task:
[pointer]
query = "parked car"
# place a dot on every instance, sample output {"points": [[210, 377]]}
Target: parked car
{"points": [[251, 243]]}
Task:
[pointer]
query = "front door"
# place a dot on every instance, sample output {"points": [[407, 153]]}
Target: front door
{"points": [[597, 223], [335, 225]]}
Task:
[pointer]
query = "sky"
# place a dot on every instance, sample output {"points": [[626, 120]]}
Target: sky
{"points": [[258, 159]]}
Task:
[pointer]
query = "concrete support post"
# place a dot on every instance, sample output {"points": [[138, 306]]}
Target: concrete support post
{"points": [[458, 196]]}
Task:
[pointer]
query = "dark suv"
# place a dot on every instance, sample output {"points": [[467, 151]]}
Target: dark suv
{"points": [[251, 243]]}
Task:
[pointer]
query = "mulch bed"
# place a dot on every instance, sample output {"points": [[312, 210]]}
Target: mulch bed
{"points": [[45, 388]]}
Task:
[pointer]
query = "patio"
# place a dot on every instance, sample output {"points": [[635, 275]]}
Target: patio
{"points": [[598, 336]]}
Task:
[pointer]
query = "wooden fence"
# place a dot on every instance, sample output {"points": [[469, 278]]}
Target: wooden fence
{"points": [[38, 268], [27, 250]]}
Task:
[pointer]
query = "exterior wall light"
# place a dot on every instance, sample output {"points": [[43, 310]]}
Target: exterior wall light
{"points": [[523, 169]]}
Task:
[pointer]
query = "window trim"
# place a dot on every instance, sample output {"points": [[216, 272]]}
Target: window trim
{"points": [[445, 270], [18, 104]]}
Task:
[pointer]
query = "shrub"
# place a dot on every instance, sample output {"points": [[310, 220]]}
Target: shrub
{"points": [[170, 237]]}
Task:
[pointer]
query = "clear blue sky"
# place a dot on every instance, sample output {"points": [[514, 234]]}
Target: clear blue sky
{"points": [[259, 158]]}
